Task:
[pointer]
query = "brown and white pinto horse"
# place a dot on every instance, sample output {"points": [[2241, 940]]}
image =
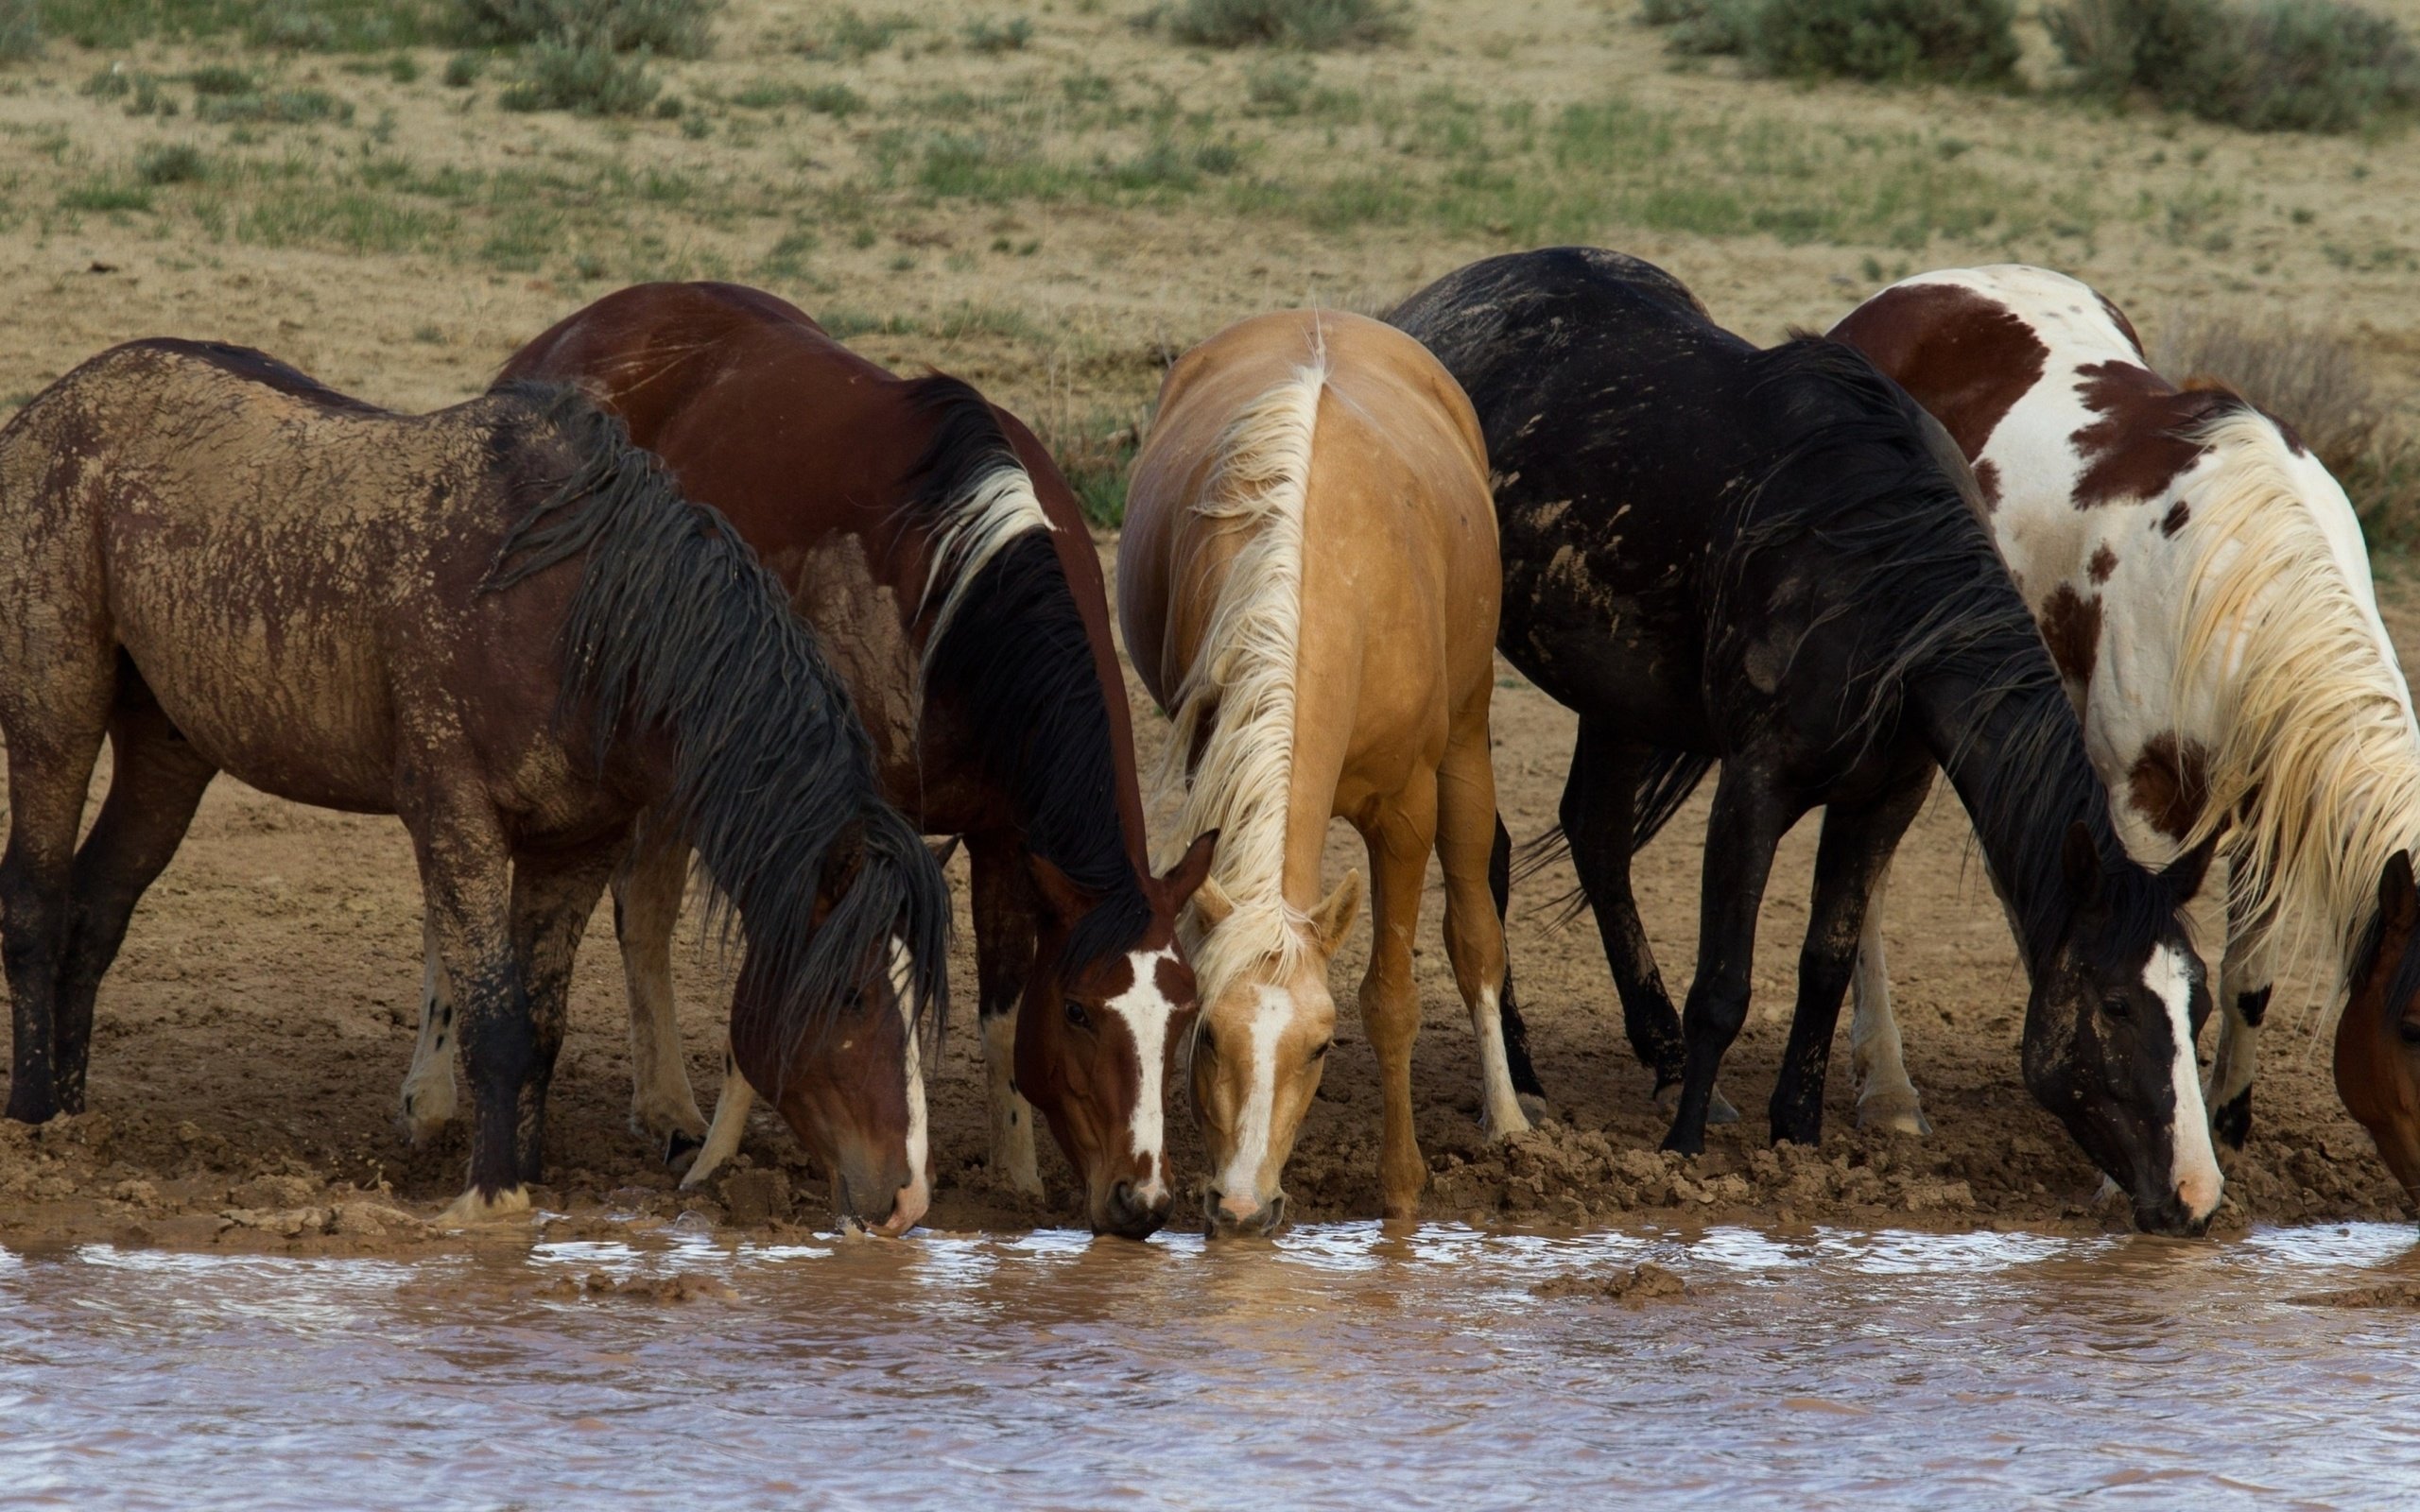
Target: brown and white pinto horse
{"points": [[2203, 587], [945, 566], [1308, 581]]}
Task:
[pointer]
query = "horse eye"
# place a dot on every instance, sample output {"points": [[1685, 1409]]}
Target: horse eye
{"points": [[2119, 1009], [1319, 1052], [2409, 1030], [1076, 1016]]}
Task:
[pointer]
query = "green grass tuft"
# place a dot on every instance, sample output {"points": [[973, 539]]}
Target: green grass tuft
{"points": [[171, 163], [20, 31], [1316, 25], [1957, 42], [670, 28], [581, 78], [2279, 65]]}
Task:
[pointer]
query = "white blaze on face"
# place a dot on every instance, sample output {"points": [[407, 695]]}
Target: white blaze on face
{"points": [[1147, 1014], [2195, 1175], [917, 1195], [1272, 1010]]}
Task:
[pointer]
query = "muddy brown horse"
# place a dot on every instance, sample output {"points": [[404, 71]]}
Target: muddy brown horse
{"points": [[502, 624], [945, 565]]}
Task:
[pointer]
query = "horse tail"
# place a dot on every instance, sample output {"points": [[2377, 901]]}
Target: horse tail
{"points": [[676, 627], [1664, 783]]}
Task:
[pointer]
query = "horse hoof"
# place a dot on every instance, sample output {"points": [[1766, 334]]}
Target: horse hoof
{"points": [[1893, 1116], [1719, 1110], [471, 1208], [1534, 1107], [681, 1149]]}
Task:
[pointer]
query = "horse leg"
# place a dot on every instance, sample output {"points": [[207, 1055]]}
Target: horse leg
{"points": [[553, 898], [1859, 840], [428, 1086], [1886, 1098], [731, 1121], [1599, 806], [1514, 1030], [1747, 821], [156, 781], [54, 726], [2246, 974], [1004, 945], [466, 885], [646, 906], [1399, 836], [1466, 829]]}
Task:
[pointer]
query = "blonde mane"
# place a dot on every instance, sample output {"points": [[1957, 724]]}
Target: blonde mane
{"points": [[2316, 779], [991, 510], [1237, 703]]}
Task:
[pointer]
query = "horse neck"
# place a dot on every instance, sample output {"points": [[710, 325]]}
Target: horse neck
{"points": [[2010, 744]]}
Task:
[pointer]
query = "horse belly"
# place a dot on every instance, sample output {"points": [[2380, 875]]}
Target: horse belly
{"points": [[286, 694]]}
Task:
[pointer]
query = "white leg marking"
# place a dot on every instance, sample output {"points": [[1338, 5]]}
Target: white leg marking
{"points": [[1013, 1156], [1886, 1098], [428, 1087], [1502, 1113], [1148, 1013], [2196, 1173], [731, 1120]]}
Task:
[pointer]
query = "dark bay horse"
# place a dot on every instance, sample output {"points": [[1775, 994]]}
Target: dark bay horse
{"points": [[500, 622], [945, 565], [1717, 553]]}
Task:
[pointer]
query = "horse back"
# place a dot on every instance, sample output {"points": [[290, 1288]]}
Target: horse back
{"points": [[274, 560]]}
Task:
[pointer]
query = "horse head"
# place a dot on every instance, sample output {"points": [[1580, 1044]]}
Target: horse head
{"points": [[1095, 1042], [2109, 1034], [2377, 1039], [1258, 1054]]}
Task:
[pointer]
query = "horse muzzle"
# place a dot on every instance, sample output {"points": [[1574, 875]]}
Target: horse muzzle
{"points": [[1240, 1217], [1130, 1211]]}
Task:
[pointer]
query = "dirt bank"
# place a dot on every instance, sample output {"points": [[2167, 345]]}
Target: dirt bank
{"points": [[253, 1035]]}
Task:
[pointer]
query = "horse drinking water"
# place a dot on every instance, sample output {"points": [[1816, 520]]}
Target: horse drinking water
{"points": [[1307, 580], [949, 574], [500, 622], [1718, 553], [2202, 584]]}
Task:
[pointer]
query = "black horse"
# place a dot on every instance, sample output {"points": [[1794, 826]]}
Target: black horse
{"points": [[1718, 553]]}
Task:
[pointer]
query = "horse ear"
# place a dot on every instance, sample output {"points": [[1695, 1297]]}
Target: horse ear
{"points": [[1211, 904], [1181, 881], [2185, 874], [2398, 899], [2081, 859], [1067, 900], [1334, 914], [943, 852]]}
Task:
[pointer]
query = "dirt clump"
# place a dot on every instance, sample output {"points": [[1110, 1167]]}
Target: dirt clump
{"points": [[1635, 1287]]}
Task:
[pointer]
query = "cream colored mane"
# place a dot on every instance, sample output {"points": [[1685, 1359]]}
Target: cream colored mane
{"points": [[1238, 700], [992, 511], [2316, 779]]}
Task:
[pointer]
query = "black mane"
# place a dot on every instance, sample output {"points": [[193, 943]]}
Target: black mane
{"points": [[674, 625], [1017, 661], [1945, 636]]}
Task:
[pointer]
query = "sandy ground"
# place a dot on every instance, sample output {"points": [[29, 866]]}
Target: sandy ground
{"points": [[253, 1032]]}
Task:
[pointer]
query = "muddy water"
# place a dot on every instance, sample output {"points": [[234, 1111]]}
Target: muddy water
{"points": [[1342, 1367]]}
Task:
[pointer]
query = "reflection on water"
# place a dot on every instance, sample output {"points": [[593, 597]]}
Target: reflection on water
{"points": [[1342, 1367]]}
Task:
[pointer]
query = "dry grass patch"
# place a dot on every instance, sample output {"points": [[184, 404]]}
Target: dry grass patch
{"points": [[2313, 380]]}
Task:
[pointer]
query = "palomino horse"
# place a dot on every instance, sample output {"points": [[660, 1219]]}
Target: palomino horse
{"points": [[2202, 584], [947, 568], [500, 623], [1308, 581], [1761, 558]]}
